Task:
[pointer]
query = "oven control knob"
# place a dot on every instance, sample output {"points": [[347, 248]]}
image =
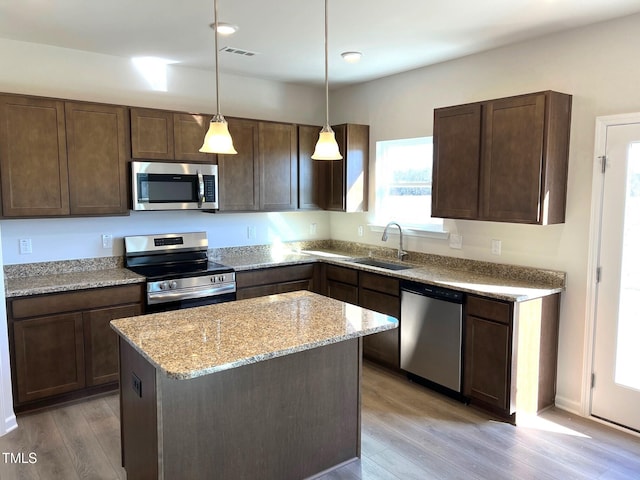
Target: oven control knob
{"points": [[173, 284], [164, 285]]}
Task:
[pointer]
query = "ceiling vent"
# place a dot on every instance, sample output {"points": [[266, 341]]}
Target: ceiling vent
{"points": [[238, 51]]}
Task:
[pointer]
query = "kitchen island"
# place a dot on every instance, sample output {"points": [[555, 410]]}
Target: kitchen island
{"points": [[263, 388]]}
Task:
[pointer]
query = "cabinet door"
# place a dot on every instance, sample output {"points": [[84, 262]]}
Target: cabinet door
{"points": [[383, 347], [512, 162], [101, 343], [97, 158], [239, 174], [456, 162], [487, 361], [309, 177], [278, 166], [189, 131], [49, 356], [346, 183], [152, 134], [342, 291], [33, 157]]}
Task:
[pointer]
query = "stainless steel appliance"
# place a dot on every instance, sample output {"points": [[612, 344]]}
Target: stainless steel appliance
{"points": [[179, 273], [431, 334], [174, 186]]}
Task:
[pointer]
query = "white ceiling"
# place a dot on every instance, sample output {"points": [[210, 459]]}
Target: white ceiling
{"points": [[288, 34]]}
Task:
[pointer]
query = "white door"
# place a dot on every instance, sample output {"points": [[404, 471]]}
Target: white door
{"points": [[615, 395]]}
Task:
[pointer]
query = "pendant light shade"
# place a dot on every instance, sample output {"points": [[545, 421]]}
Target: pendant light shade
{"points": [[327, 147], [218, 139]]}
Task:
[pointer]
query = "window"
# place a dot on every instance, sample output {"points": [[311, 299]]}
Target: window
{"points": [[403, 183]]}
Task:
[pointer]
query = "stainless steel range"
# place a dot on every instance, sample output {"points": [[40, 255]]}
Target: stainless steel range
{"points": [[179, 273]]}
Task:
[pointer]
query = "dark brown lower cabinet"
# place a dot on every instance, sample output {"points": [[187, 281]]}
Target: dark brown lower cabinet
{"points": [[101, 342], [272, 280], [375, 292], [382, 294], [510, 354], [49, 356], [61, 345]]}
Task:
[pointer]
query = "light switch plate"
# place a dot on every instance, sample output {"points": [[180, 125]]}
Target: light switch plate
{"points": [[496, 247], [455, 241], [25, 246]]}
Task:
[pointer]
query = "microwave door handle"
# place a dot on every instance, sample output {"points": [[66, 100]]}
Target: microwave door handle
{"points": [[200, 189]]}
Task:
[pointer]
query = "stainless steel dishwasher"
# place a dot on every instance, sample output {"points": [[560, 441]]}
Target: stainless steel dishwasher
{"points": [[431, 333]]}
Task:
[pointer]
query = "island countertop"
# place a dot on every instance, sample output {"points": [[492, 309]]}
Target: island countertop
{"points": [[198, 341]]}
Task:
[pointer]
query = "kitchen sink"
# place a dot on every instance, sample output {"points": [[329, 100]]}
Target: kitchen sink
{"points": [[373, 262]]}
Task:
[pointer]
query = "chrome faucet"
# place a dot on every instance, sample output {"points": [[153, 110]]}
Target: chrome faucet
{"points": [[385, 237]]}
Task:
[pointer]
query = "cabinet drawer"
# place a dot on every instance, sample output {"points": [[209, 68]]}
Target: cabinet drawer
{"points": [[341, 274], [272, 289], [74, 301], [380, 302], [274, 275], [343, 292], [489, 309], [380, 283]]}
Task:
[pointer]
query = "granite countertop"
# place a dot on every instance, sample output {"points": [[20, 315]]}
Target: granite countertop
{"points": [[69, 281], [198, 341], [503, 282]]}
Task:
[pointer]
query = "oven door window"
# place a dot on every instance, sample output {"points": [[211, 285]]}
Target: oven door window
{"points": [[167, 188]]}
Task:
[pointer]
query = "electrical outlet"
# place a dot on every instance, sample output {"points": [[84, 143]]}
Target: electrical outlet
{"points": [[136, 383], [107, 240], [455, 241], [360, 231], [25, 246], [251, 232], [496, 247], [313, 228]]}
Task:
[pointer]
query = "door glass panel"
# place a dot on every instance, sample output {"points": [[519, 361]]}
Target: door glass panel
{"points": [[628, 353]]}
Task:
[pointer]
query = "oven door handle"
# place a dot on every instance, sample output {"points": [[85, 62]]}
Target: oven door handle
{"points": [[168, 296], [200, 189]]}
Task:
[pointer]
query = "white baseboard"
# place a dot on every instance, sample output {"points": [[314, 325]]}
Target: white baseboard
{"points": [[569, 405], [10, 424]]}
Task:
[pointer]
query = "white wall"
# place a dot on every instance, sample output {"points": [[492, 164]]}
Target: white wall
{"points": [[57, 72], [599, 66], [7, 417]]}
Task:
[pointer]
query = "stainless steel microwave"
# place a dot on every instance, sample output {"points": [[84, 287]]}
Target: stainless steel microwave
{"points": [[174, 186]]}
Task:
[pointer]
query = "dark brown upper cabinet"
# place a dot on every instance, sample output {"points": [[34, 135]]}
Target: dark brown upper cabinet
{"points": [[33, 157], [278, 164], [62, 158], [503, 160], [97, 158], [239, 174], [345, 186], [263, 175], [169, 136], [309, 172]]}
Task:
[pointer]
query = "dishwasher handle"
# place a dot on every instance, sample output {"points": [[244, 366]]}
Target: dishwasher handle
{"points": [[432, 291]]}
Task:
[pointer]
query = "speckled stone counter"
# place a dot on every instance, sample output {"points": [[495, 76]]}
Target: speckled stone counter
{"points": [[503, 282], [500, 281], [64, 282], [198, 341]]}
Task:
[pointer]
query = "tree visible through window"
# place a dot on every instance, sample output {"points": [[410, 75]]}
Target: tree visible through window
{"points": [[403, 183]]}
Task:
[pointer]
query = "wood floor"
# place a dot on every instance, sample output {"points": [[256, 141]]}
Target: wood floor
{"points": [[408, 432]]}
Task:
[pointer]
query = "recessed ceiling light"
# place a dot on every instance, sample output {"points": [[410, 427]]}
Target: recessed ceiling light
{"points": [[226, 28], [351, 57]]}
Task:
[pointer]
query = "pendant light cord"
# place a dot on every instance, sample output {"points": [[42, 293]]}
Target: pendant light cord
{"points": [[326, 59], [215, 30]]}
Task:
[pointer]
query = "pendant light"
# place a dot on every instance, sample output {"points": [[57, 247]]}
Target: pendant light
{"points": [[218, 139], [327, 147]]}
